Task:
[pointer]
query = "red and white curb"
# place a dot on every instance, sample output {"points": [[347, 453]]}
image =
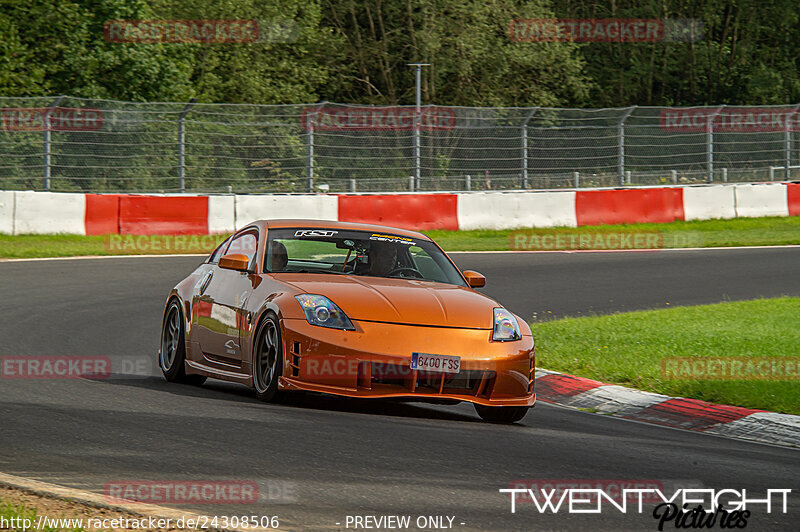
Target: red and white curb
{"points": [[24, 212], [677, 412]]}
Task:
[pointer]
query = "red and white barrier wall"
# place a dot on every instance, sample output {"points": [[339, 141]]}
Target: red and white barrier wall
{"points": [[97, 214]]}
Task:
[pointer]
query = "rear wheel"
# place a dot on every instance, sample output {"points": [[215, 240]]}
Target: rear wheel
{"points": [[267, 359], [501, 414], [172, 355]]}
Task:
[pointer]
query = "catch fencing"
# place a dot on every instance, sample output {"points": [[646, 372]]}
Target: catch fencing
{"points": [[81, 145]]}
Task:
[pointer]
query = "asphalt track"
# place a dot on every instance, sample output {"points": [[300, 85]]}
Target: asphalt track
{"points": [[319, 459]]}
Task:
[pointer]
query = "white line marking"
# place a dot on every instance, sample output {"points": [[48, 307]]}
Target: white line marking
{"points": [[85, 257]]}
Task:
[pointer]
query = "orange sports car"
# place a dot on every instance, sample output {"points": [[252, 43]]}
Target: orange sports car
{"points": [[348, 309]]}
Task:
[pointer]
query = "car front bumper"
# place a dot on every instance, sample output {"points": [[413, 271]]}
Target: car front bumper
{"points": [[374, 361]]}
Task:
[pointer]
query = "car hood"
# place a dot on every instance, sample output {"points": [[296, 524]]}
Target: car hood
{"points": [[405, 301]]}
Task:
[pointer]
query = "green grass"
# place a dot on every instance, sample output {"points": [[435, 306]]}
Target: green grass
{"points": [[703, 233], [627, 348], [16, 512], [31, 246], [700, 233]]}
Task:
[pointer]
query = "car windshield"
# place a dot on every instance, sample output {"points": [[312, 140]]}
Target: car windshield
{"points": [[363, 253]]}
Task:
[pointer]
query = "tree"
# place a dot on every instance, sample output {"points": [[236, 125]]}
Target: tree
{"points": [[473, 60], [745, 55]]}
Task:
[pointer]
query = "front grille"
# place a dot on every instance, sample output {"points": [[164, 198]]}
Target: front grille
{"points": [[295, 363], [392, 374], [467, 382]]}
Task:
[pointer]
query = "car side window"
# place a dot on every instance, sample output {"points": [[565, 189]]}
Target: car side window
{"points": [[244, 244], [218, 252]]}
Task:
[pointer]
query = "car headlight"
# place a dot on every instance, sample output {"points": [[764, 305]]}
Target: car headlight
{"points": [[321, 311], [506, 328]]}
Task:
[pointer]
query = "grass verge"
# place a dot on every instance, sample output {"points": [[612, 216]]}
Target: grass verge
{"points": [[628, 349], [701, 233], [20, 518]]}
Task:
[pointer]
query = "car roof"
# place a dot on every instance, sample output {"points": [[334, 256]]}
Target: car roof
{"points": [[344, 226]]}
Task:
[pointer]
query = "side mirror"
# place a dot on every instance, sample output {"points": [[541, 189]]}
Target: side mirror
{"points": [[474, 279], [234, 261]]}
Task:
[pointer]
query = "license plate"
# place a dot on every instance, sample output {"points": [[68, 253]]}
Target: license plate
{"points": [[439, 363]]}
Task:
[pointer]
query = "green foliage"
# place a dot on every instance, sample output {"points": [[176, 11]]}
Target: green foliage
{"points": [[473, 61], [747, 54], [335, 50], [65, 52], [348, 51]]}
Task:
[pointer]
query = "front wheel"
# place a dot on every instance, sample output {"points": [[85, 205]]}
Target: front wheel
{"points": [[172, 355], [267, 359], [501, 414]]}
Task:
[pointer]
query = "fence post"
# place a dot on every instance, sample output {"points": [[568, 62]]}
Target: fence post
{"points": [[310, 154], [621, 144], [310, 121], [710, 143], [674, 176], [577, 177], [468, 182], [724, 175], [627, 177], [46, 125], [788, 141], [182, 145], [525, 147], [411, 183], [352, 185], [710, 150]]}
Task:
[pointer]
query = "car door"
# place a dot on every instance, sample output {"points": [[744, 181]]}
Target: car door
{"points": [[224, 296], [202, 324]]}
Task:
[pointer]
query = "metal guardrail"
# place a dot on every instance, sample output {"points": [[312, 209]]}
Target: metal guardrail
{"points": [[72, 144]]}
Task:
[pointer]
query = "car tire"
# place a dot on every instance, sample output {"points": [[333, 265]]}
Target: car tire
{"points": [[501, 414], [172, 355], [267, 358]]}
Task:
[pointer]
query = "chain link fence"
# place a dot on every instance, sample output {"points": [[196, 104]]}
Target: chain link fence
{"points": [[74, 144]]}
